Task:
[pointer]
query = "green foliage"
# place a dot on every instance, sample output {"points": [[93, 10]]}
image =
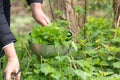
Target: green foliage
{"points": [[53, 34], [58, 12], [100, 8], [79, 10], [100, 4], [99, 48], [96, 57]]}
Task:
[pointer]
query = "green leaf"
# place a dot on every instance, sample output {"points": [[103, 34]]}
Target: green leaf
{"points": [[46, 69], [83, 75], [74, 45], [116, 39], [56, 75], [110, 58], [104, 63], [116, 65], [37, 71]]}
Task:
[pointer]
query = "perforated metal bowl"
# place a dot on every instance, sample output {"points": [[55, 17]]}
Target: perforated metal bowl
{"points": [[48, 50]]}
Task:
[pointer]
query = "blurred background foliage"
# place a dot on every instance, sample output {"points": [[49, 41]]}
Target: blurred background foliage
{"points": [[22, 22]]}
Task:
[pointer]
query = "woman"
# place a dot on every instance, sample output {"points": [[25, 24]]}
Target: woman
{"points": [[7, 39]]}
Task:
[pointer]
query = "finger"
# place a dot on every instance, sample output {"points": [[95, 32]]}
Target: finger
{"points": [[42, 22], [47, 20], [18, 76]]}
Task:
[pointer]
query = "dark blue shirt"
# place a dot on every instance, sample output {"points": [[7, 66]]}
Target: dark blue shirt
{"points": [[6, 35]]}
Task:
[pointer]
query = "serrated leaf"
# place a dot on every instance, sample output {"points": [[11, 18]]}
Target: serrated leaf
{"points": [[104, 63], [116, 39], [110, 58], [83, 75], [46, 69], [116, 65]]}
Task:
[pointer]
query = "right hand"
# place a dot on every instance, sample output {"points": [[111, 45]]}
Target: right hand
{"points": [[39, 15]]}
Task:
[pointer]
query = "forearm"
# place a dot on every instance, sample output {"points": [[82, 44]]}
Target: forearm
{"points": [[13, 65], [10, 51]]}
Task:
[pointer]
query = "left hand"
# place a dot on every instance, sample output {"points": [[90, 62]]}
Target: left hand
{"points": [[12, 66], [39, 15]]}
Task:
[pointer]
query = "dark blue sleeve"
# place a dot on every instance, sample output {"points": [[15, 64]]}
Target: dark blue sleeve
{"points": [[6, 35], [34, 1]]}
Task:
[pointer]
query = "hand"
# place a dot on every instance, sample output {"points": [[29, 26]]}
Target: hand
{"points": [[13, 63], [12, 67], [39, 15]]}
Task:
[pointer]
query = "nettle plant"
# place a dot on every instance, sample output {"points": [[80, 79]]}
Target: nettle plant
{"points": [[97, 57], [55, 33]]}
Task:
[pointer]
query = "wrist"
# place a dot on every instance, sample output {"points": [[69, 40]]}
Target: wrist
{"points": [[10, 51], [12, 58], [36, 5]]}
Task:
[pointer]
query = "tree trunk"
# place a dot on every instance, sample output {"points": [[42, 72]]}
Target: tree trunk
{"points": [[116, 7], [68, 9]]}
